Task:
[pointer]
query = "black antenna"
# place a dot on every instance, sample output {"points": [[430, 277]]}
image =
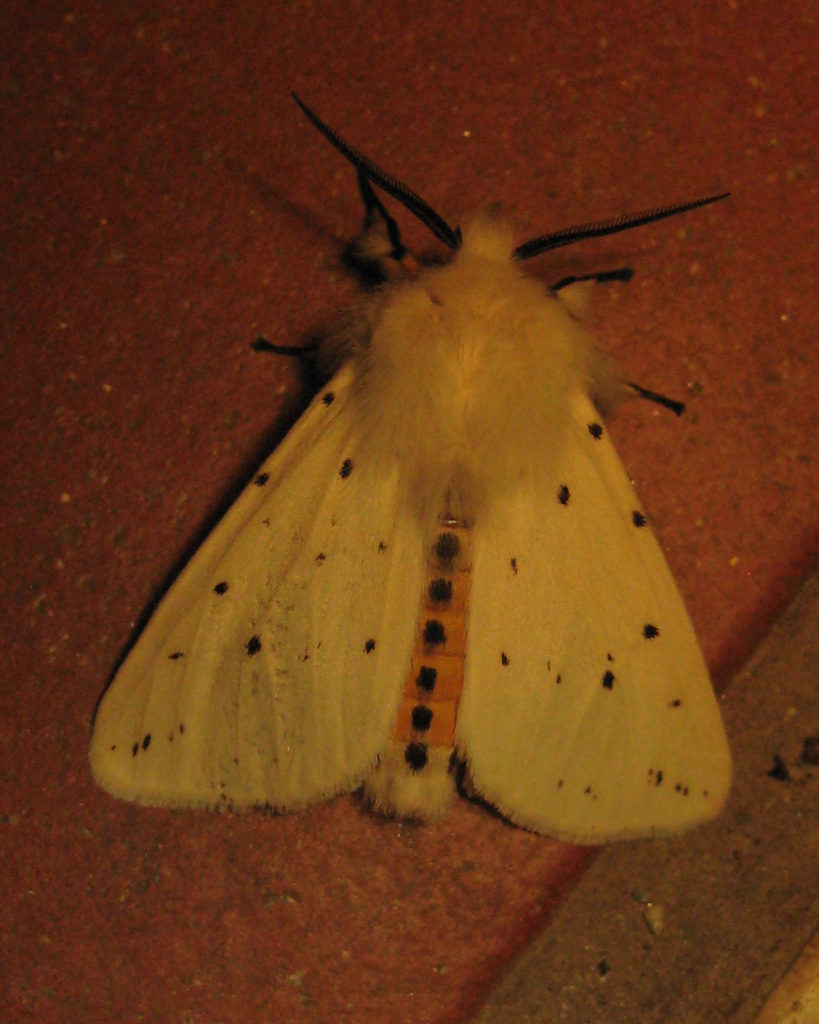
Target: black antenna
{"points": [[567, 236], [368, 171]]}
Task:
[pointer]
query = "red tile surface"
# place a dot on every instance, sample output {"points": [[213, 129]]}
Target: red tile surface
{"points": [[163, 203]]}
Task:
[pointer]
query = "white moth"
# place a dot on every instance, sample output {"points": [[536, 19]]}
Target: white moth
{"points": [[442, 572]]}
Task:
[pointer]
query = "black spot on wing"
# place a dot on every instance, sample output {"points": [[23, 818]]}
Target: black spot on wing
{"points": [[328, 398], [650, 631], [261, 479], [221, 588], [369, 646], [638, 519], [253, 646], [176, 656], [514, 563], [504, 659], [563, 494], [608, 680], [346, 469], [596, 430], [142, 744], [180, 729]]}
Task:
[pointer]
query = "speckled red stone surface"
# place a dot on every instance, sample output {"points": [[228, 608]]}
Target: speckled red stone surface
{"points": [[163, 203]]}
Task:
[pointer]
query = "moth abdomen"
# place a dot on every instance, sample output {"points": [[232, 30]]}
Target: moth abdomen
{"points": [[413, 778]]}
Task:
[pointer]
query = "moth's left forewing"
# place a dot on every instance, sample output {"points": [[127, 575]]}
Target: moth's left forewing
{"points": [[587, 711], [271, 671]]}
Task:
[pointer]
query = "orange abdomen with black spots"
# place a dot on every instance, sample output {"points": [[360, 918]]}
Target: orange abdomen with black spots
{"points": [[415, 775], [426, 715]]}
